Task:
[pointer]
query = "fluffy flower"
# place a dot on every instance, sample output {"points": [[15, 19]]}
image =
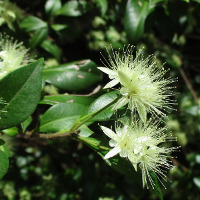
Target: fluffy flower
{"points": [[141, 144], [143, 86], [12, 55]]}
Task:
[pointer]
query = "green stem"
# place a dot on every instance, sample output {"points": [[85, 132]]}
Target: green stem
{"points": [[90, 116]]}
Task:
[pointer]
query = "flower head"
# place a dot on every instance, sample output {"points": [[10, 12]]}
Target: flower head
{"points": [[140, 143], [12, 55], [143, 86]]}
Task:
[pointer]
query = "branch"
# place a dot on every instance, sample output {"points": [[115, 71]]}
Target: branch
{"points": [[189, 85], [53, 135]]}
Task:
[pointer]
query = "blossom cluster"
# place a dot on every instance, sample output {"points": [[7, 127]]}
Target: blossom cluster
{"points": [[146, 92], [12, 55]]}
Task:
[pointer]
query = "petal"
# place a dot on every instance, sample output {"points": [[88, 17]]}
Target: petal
{"points": [[142, 111], [105, 70], [124, 91], [113, 143], [124, 79], [111, 83], [112, 152], [111, 134], [121, 102], [123, 153]]}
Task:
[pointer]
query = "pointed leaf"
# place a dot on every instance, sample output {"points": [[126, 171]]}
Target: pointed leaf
{"points": [[51, 48], [32, 23], [135, 15], [38, 37], [101, 102], [21, 90], [157, 190]]}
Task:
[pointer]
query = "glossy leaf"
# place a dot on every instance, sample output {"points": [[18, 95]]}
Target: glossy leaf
{"points": [[73, 8], [38, 37], [73, 76], [32, 23], [135, 15], [52, 6], [61, 116], [65, 98], [51, 48], [4, 164], [157, 190], [21, 90], [101, 102], [11, 131]]}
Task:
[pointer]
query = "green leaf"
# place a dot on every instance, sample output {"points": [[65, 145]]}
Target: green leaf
{"points": [[51, 48], [32, 23], [85, 131], [11, 131], [6, 150], [73, 76], [38, 37], [73, 8], [4, 164], [21, 90], [157, 190], [61, 116], [136, 13], [103, 5], [53, 100], [26, 123], [101, 102], [58, 27], [52, 6]]}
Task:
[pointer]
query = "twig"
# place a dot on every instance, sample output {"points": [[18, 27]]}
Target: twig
{"points": [[56, 135], [189, 85], [52, 135]]}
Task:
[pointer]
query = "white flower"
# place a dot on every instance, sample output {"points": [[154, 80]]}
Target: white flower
{"points": [[12, 55], [140, 143], [143, 86]]}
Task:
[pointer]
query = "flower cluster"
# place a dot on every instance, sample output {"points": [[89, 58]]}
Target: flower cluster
{"points": [[12, 55], [143, 86], [145, 90], [140, 143]]}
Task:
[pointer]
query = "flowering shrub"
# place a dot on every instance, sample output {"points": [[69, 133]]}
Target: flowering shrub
{"points": [[125, 107]]}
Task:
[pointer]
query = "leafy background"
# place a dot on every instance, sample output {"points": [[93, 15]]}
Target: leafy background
{"points": [[70, 35]]}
